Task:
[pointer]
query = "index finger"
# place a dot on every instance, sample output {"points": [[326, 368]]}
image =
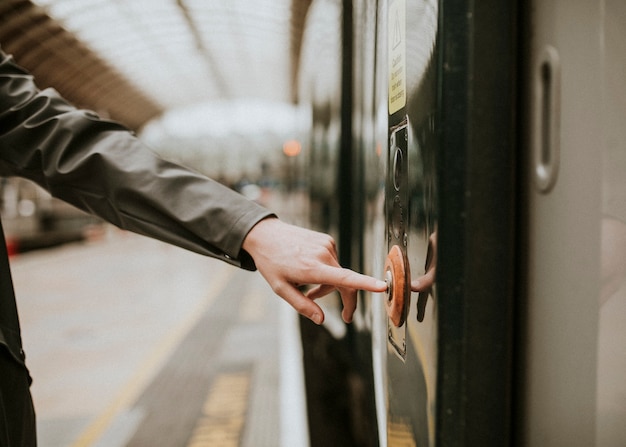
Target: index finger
{"points": [[343, 277]]}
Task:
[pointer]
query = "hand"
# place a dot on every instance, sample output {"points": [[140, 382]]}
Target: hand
{"points": [[288, 256], [424, 283]]}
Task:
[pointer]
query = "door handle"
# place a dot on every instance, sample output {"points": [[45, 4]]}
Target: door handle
{"points": [[546, 119]]}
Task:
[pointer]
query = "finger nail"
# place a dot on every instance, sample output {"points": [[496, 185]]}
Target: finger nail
{"points": [[316, 318], [381, 284]]}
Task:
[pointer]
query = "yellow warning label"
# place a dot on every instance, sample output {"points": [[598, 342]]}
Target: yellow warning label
{"points": [[396, 31]]}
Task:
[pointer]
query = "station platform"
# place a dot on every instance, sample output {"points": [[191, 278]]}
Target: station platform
{"points": [[132, 342]]}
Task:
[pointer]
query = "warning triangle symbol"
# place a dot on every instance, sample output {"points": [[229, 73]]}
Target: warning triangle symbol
{"points": [[397, 33]]}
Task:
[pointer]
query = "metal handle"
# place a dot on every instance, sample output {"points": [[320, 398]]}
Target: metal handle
{"points": [[546, 119]]}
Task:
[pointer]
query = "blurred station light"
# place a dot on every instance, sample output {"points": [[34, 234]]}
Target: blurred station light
{"points": [[291, 148]]}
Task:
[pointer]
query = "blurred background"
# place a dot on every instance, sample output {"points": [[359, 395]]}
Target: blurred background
{"points": [[211, 85]]}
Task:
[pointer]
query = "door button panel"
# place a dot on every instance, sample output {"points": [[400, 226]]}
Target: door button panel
{"points": [[396, 270]]}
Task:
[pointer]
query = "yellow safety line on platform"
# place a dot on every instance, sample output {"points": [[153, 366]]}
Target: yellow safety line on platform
{"points": [[224, 412], [150, 365]]}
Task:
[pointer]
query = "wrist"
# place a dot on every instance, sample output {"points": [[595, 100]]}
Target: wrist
{"points": [[258, 233]]}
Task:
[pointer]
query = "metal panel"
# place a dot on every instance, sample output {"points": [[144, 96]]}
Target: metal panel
{"points": [[561, 247]]}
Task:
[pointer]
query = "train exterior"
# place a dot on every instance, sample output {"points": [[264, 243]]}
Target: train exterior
{"points": [[471, 153], [465, 140]]}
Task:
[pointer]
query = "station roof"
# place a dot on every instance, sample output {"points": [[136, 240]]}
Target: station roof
{"points": [[134, 59]]}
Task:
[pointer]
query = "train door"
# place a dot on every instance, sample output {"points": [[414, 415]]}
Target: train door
{"points": [[445, 126], [574, 390]]}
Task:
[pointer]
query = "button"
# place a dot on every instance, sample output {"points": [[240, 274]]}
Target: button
{"points": [[398, 278]]}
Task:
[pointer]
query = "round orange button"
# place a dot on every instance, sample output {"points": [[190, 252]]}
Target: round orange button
{"points": [[397, 276]]}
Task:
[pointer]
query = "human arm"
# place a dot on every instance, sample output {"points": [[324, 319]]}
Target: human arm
{"points": [[100, 167]]}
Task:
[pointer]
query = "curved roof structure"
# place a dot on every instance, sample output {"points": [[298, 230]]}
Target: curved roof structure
{"points": [[134, 59]]}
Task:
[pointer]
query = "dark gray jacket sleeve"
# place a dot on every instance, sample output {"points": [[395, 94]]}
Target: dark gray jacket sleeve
{"points": [[101, 167]]}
